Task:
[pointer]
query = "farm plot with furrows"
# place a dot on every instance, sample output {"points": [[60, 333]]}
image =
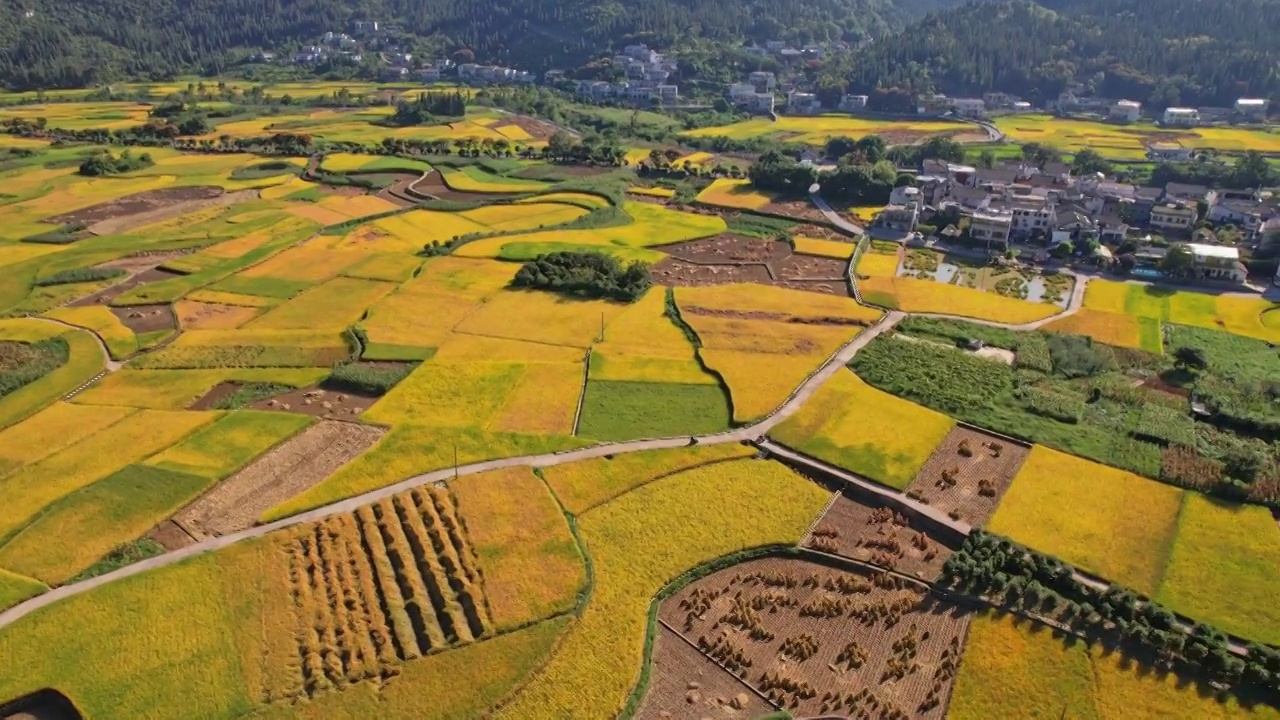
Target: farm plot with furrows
{"points": [[389, 582], [881, 536], [821, 641], [968, 473]]}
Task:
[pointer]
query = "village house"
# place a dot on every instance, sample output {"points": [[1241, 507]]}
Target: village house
{"points": [[1181, 117], [1248, 215], [1190, 193], [895, 221], [852, 103], [991, 228], [1169, 152], [1173, 217], [1125, 111], [763, 81], [1269, 235], [1217, 262], [969, 107], [1252, 109], [803, 103]]}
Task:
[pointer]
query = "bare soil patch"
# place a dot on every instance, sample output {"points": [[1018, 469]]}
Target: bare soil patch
{"points": [[124, 223], [137, 204], [681, 273], [820, 232], [881, 536], [812, 267], [298, 464], [146, 318], [171, 536], [145, 277], [968, 473], [799, 209], [219, 392], [729, 258], [822, 641], [320, 402], [432, 185], [686, 683]]}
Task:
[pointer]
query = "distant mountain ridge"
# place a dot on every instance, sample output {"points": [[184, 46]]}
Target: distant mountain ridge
{"points": [[1161, 52], [67, 43]]}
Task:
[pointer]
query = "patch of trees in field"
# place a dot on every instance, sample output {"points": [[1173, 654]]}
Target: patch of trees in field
{"points": [[585, 274]]}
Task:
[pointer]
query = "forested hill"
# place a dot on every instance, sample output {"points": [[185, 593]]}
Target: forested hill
{"points": [[46, 43], [1163, 52]]}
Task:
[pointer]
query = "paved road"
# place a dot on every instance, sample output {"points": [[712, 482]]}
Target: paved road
{"points": [[834, 217]]}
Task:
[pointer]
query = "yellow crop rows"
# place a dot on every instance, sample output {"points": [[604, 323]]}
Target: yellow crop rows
{"points": [[543, 401], [825, 248]]}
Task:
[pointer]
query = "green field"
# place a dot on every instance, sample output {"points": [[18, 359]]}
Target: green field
{"points": [[620, 410]]}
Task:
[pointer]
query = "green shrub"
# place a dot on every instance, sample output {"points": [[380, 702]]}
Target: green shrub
{"points": [[947, 379], [1032, 353], [1076, 356], [249, 394], [1050, 403], [81, 275], [1165, 425], [64, 235], [368, 379], [959, 332], [23, 363]]}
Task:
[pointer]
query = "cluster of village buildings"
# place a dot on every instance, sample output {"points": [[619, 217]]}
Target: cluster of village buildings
{"points": [[1047, 206]]}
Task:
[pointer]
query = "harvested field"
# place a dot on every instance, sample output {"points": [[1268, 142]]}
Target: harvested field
{"points": [[169, 211], [686, 683], [880, 536], [317, 401], [968, 473], [303, 461], [146, 318], [728, 259], [817, 640], [196, 315], [136, 204], [534, 129], [154, 275], [390, 582]]}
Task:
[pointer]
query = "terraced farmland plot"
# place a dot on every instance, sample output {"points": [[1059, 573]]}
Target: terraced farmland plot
{"points": [[392, 581], [333, 305]]}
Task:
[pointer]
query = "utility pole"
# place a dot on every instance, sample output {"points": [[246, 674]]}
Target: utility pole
{"points": [[455, 461]]}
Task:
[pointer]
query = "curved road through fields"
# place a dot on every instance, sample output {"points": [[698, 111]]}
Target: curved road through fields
{"points": [[749, 433]]}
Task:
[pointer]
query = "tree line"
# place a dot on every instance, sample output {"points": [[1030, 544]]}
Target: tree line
{"points": [[1160, 52]]}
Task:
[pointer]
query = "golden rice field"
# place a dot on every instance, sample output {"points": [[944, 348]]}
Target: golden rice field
{"points": [[658, 192], [824, 248], [859, 428], [1107, 521], [1112, 328], [1128, 141], [120, 340], [177, 389], [929, 296], [751, 503], [654, 225], [1220, 567], [730, 193], [816, 130], [1014, 669], [1229, 313], [532, 566], [873, 264], [473, 179]]}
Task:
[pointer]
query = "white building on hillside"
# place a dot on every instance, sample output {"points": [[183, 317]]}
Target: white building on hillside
{"points": [[1126, 111], [1181, 116]]}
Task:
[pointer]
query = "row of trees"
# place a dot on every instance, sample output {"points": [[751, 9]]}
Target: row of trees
{"points": [[428, 108], [1001, 569]]}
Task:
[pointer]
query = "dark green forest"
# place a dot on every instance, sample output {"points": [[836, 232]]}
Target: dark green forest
{"points": [[1161, 52], [70, 43]]}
